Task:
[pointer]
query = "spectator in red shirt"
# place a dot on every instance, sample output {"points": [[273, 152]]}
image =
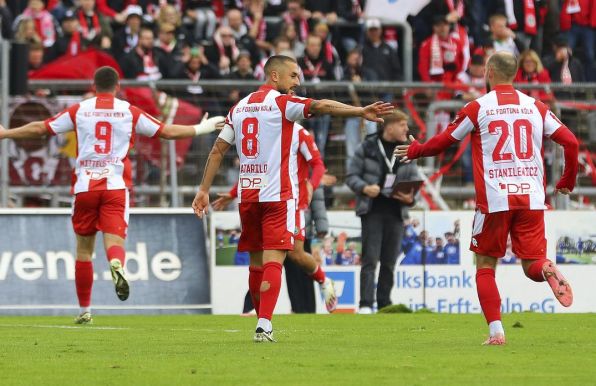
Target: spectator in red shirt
{"points": [[441, 56], [532, 71]]}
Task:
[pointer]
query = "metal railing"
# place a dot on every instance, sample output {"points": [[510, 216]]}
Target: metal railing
{"points": [[177, 187]]}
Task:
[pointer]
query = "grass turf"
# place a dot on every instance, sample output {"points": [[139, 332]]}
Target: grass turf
{"points": [[392, 349]]}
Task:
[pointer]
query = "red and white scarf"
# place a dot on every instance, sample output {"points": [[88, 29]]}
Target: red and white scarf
{"points": [[150, 70], [222, 49], [89, 33], [302, 26], [262, 35], [530, 22], [44, 25], [440, 52], [74, 45]]}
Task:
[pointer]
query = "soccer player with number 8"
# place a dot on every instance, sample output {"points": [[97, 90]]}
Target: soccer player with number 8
{"points": [[262, 127]]}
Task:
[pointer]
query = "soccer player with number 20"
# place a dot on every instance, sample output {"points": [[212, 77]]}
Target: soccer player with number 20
{"points": [[508, 129]]}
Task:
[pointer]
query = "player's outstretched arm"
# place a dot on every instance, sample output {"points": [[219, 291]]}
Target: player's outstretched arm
{"points": [[35, 129], [201, 202], [435, 145], [207, 125], [372, 112], [564, 137]]}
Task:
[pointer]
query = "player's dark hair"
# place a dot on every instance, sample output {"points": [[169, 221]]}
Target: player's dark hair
{"points": [[276, 61], [105, 79]]}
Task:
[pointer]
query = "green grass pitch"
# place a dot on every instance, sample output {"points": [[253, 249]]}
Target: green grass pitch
{"points": [[390, 349]]}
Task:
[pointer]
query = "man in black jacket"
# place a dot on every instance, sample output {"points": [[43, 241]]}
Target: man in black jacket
{"points": [[371, 173], [378, 55]]}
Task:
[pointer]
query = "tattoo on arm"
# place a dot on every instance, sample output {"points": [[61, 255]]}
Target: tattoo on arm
{"points": [[217, 153]]}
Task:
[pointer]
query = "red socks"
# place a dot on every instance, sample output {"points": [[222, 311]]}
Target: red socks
{"points": [[116, 252], [488, 294], [84, 282], [255, 275], [319, 275], [270, 286], [535, 270]]}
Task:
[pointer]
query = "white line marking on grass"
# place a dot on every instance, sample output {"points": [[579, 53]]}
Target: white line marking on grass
{"points": [[64, 327]]}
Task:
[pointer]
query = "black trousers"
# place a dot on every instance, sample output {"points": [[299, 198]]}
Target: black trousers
{"points": [[381, 242], [300, 286]]}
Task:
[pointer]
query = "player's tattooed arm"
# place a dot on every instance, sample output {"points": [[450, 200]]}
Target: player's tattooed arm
{"points": [[372, 112], [216, 155], [200, 204], [35, 129]]}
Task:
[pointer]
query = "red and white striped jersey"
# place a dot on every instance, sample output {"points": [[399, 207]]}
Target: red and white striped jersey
{"points": [[262, 127], [507, 129], [308, 157], [105, 128]]}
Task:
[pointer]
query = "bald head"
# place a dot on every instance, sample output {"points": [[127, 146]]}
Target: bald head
{"points": [[503, 65]]}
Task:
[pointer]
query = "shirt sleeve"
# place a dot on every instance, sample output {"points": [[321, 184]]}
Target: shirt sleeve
{"points": [[294, 108], [227, 134], [145, 123], [461, 126], [551, 123], [62, 122]]}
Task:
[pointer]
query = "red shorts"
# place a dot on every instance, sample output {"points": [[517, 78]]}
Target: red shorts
{"points": [[267, 226], [101, 210], [490, 231], [300, 225]]}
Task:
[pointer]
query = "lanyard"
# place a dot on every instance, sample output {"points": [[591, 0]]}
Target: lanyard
{"points": [[387, 162]]}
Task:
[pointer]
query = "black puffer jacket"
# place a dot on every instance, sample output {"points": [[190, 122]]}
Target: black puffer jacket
{"points": [[366, 168]]}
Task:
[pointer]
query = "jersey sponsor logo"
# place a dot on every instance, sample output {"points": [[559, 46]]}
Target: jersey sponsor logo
{"points": [[516, 188], [252, 181], [98, 174]]}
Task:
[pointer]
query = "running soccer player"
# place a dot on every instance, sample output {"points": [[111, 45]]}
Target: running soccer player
{"points": [[508, 129], [105, 128], [309, 158], [261, 125]]}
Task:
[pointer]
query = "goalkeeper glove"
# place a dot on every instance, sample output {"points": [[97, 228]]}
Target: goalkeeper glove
{"points": [[208, 125]]}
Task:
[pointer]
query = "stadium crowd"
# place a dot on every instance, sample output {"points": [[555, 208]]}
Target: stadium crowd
{"points": [[332, 40]]}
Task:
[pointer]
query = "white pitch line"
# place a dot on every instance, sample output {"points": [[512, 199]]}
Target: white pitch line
{"points": [[64, 327], [112, 328]]}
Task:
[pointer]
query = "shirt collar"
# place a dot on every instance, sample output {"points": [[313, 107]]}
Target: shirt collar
{"points": [[504, 88]]}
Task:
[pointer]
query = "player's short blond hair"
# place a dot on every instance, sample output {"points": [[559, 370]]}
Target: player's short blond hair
{"points": [[504, 64]]}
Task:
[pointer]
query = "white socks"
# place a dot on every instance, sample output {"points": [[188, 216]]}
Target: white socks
{"points": [[265, 324], [496, 327], [85, 309]]}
